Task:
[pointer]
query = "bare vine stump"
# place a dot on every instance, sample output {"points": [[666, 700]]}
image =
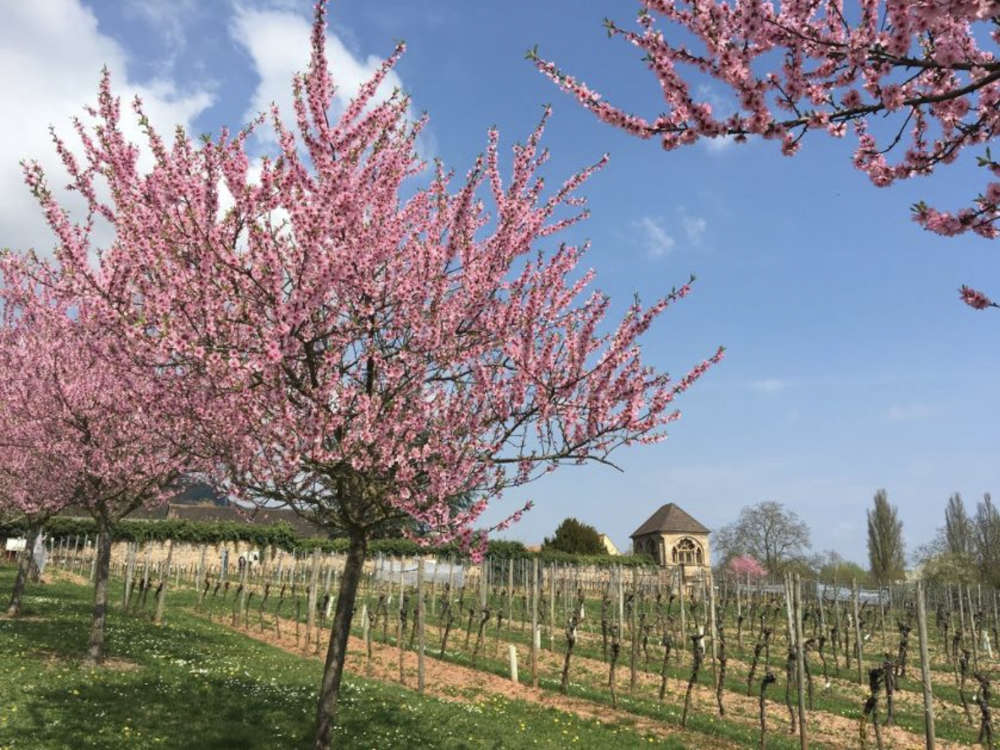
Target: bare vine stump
{"points": [[570, 642], [698, 654], [616, 647], [605, 606], [667, 643], [870, 713], [468, 628], [260, 609], [448, 613], [720, 682], [983, 696], [889, 677], [790, 678], [484, 617], [963, 668], [762, 640], [769, 679]]}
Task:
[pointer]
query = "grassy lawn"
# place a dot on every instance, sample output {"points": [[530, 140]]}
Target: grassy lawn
{"points": [[191, 683]]}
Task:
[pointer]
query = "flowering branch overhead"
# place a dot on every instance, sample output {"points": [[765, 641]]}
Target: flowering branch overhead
{"points": [[919, 66]]}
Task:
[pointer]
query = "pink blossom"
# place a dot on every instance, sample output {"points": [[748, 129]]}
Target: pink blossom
{"points": [[975, 299], [793, 67], [744, 566]]}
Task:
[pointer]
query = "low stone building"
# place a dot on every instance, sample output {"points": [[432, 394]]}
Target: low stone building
{"points": [[675, 540]]}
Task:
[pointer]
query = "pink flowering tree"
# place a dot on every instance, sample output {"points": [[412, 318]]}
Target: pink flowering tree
{"points": [[746, 567], [367, 343], [90, 429], [915, 81], [32, 485]]}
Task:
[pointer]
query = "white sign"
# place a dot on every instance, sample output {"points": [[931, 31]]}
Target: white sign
{"points": [[16, 544]]}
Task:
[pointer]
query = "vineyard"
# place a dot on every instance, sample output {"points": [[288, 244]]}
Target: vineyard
{"points": [[717, 666]]}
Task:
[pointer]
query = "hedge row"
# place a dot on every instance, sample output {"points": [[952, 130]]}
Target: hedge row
{"points": [[282, 536]]}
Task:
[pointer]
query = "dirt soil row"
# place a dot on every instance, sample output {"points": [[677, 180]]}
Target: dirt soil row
{"points": [[456, 682]]}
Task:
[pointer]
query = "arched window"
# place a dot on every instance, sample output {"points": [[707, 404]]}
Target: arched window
{"points": [[687, 552]]}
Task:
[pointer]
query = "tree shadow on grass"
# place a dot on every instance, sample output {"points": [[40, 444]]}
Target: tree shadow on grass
{"points": [[136, 709]]}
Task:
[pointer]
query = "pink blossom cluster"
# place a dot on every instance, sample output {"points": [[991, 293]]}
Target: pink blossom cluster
{"points": [[917, 67], [340, 339], [80, 424], [975, 299], [746, 566]]}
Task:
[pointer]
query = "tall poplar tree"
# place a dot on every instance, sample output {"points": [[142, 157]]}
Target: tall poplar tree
{"points": [[957, 527], [885, 540]]}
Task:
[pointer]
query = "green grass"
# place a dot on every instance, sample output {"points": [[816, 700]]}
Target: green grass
{"points": [[191, 683]]}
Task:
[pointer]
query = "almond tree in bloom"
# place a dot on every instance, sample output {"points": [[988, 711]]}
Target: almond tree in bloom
{"points": [[88, 430], [369, 344], [916, 81], [746, 566], [31, 481]]}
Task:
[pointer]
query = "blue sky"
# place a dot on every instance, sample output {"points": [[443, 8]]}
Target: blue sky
{"points": [[851, 363]]}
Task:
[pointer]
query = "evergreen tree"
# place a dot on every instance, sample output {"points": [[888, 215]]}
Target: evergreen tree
{"points": [[576, 538]]}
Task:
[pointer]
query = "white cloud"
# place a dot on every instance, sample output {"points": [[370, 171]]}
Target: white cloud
{"points": [[54, 52], [655, 238], [278, 43], [908, 412], [169, 19], [718, 144], [694, 228], [769, 385], [721, 107]]}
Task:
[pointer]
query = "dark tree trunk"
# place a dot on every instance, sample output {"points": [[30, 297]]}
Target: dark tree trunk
{"points": [[24, 563], [333, 672], [95, 650]]}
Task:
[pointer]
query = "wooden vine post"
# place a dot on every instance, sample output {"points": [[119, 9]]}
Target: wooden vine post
{"points": [[680, 598], [161, 598], [401, 624], [420, 625], [311, 599], [510, 591], [634, 655], [925, 669], [534, 622], [713, 634], [857, 629], [800, 662], [552, 606]]}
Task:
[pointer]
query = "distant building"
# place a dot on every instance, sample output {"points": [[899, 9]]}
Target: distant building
{"points": [[674, 539], [609, 546]]}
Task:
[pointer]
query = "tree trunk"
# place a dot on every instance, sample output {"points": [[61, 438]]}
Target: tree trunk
{"points": [[95, 652], [334, 670], [24, 563]]}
